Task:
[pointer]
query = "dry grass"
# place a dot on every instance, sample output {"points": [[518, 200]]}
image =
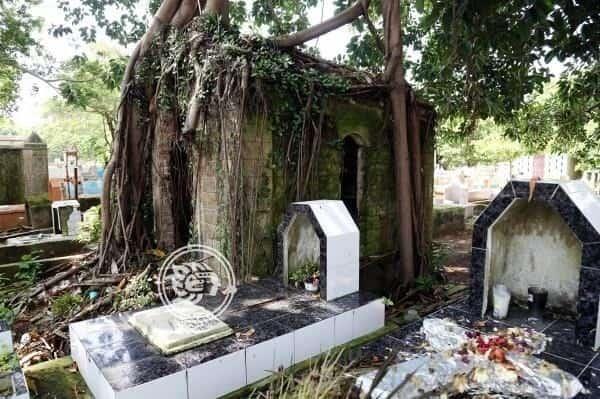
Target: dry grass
{"points": [[325, 379]]}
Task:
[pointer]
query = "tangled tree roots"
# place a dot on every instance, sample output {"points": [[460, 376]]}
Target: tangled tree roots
{"points": [[185, 94], [187, 99]]}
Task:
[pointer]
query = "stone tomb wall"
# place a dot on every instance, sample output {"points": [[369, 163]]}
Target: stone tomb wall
{"points": [[264, 183], [23, 171]]}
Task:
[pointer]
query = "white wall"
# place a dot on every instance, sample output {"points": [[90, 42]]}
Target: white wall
{"points": [[531, 245]]}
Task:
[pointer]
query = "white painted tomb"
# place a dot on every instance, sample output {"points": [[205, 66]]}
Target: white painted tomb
{"points": [[274, 326]]}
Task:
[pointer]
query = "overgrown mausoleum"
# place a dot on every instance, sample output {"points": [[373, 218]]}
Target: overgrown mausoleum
{"points": [[347, 156]]}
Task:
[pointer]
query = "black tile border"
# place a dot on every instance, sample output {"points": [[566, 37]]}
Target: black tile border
{"points": [[273, 319], [556, 197]]}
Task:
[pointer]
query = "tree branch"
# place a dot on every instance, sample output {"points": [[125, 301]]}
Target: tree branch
{"points": [[374, 32], [185, 13], [345, 17]]}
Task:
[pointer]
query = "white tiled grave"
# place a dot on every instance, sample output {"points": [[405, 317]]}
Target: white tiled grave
{"points": [[282, 327], [12, 385]]}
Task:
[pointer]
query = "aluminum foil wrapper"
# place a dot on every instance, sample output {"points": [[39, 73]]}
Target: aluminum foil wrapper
{"points": [[446, 370], [444, 334]]}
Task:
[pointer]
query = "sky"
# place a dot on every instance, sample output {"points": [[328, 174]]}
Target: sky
{"points": [[33, 93]]}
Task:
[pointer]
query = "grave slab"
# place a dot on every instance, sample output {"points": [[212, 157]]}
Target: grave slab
{"points": [[181, 326], [281, 327]]}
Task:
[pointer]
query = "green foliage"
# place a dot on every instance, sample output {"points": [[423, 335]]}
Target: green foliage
{"points": [[487, 145], [6, 313], [282, 16], [565, 117], [136, 295], [93, 82], [17, 29], [63, 126], [66, 304], [91, 227], [121, 20], [29, 268], [425, 283], [440, 253], [8, 360], [304, 272]]}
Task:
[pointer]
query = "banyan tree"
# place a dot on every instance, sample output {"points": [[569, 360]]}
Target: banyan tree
{"points": [[218, 132]]}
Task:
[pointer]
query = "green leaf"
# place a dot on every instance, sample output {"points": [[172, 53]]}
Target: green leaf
{"points": [[420, 5]]}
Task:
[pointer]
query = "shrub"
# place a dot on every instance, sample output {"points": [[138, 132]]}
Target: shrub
{"points": [[91, 227], [66, 304], [8, 360], [29, 268], [302, 273]]}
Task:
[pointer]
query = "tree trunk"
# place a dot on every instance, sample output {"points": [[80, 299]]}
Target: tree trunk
{"points": [[162, 180], [143, 138], [404, 188]]}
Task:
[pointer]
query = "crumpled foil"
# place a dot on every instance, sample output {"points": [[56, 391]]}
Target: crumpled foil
{"points": [[446, 370], [444, 334]]}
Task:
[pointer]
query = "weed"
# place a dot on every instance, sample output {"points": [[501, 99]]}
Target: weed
{"points": [[6, 313], [425, 283], [66, 304], [29, 268], [91, 227], [8, 360], [439, 256], [136, 295], [326, 379]]}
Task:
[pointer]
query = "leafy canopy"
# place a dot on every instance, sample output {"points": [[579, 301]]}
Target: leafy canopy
{"points": [[17, 29], [472, 59]]}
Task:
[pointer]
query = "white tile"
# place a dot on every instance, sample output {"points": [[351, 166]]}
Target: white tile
{"points": [[333, 216], [368, 318], [217, 377], [97, 383], [92, 376], [173, 386], [343, 327], [327, 334], [6, 341], [342, 279], [267, 357], [589, 205], [313, 340], [343, 248], [306, 342]]}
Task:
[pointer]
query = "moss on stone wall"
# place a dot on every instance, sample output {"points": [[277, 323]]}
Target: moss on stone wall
{"points": [[264, 163], [363, 120], [377, 211], [365, 123], [12, 185]]}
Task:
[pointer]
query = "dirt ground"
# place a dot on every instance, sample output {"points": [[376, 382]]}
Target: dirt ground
{"points": [[458, 262]]}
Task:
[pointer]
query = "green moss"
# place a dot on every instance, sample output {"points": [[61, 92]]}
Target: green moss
{"points": [[358, 119], [38, 200], [8, 360], [12, 185], [377, 210], [56, 379]]}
